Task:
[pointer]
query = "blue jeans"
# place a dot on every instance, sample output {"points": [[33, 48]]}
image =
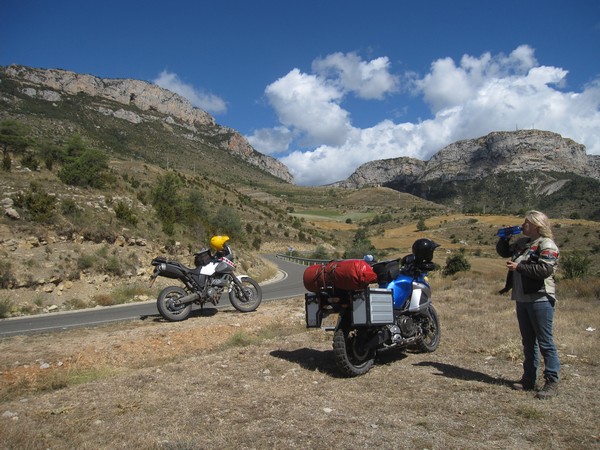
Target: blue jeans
{"points": [[535, 324]]}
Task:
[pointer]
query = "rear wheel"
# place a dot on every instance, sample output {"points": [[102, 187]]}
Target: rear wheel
{"points": [[168, 304], [245, 296], [431, 332], [351, 356]]}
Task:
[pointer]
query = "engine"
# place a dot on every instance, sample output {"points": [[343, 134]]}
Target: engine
{"points": [[404, 332], [408, 327], [215, 289]]}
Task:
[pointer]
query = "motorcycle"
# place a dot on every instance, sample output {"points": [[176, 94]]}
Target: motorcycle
{"points": [[204, 283], [397, 314]]}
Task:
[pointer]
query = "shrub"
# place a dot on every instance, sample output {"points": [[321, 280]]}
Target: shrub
{"points": [[103, 300], [30, 161], [6, 277], [457, 263], [6, 306], [39, 204], [575, 265], [85, 262], [85, 169], [320, 253], [68, 207], [76, 303], [227, 221], [125, 214], [166, 201], [113, 266]]}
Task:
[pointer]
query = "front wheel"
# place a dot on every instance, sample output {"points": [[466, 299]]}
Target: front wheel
{"points": [[431, 332], [246, 295], [168, 304], [351, 356]]}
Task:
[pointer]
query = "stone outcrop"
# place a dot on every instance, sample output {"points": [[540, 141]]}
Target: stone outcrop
{"points": [[495, 153], [142, 99], [382, 171], [145, 96]]}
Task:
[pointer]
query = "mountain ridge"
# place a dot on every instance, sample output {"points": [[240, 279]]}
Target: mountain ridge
{"points": [[138, 99], [494, 153]]}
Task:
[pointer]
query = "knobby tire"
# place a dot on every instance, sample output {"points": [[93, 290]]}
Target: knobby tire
{"points": [[251, 290], [432, 332], [169, 311], [349, 357]]}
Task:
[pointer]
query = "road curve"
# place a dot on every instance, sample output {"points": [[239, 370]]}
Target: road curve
{"points": [[288, 284]]}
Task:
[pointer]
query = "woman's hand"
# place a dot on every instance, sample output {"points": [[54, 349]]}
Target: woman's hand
{"points": [[511, 265]]}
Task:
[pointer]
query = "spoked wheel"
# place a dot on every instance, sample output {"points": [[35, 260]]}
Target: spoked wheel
{"points": [[351, 356], [431, 332], [169, 306], [246, 296]]}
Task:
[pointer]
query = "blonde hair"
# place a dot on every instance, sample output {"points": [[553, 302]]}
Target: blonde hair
{"points": [[541, 222]]}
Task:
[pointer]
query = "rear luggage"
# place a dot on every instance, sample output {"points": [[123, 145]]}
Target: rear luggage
{"points": [[346, 274]]}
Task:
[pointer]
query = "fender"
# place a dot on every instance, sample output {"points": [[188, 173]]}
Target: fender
{"points": [[241, 277]]}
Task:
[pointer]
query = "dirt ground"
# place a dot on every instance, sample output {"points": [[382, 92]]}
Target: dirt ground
{"points": [[261, 380]]}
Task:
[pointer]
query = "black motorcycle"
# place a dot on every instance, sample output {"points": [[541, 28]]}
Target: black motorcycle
{"points": [[204, 283]]}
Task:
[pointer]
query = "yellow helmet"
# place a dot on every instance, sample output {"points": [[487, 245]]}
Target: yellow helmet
{"points": [[217, 242]]}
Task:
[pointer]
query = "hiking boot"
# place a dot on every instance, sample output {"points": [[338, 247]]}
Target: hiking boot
{"points": [[525, 385], [549, 390]]}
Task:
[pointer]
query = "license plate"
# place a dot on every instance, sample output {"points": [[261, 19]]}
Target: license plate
{"points": [[330, 321]]}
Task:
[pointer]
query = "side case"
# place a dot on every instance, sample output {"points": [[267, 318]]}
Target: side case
{"points": [[373, 306], [312, 308]]}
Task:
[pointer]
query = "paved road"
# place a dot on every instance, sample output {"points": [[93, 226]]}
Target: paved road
{"points": [[289, 284]]}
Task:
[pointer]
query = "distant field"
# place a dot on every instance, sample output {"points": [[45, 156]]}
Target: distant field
{"points": [[476, 234], [332, 215]]}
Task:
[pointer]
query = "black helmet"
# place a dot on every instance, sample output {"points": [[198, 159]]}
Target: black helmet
{"points": [[423, 250]]}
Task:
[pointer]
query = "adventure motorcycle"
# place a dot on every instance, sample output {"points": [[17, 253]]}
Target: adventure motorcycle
{"points": [[397, 314], [205, 283]]}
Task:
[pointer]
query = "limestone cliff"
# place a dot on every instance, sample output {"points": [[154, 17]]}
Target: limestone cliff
{"points": [[55, 85], [495, 153]]}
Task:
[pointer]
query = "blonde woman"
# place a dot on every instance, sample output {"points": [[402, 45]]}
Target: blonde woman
{"points": [[532, 266]]}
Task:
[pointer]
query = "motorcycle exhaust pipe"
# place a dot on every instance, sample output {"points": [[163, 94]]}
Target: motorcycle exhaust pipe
{"points": [[189, 298]]}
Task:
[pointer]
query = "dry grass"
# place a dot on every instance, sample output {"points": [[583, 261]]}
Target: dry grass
{"points": [[261, 380]]}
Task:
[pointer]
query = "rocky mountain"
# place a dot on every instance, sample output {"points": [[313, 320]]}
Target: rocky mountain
{"points": [[475, 173], [496, 153], [136, 102]]}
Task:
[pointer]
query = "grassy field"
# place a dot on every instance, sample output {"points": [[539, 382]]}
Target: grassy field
{"points": [[261, 380]]}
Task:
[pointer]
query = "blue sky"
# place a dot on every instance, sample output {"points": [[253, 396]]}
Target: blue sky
{"points": [[327, 85]]}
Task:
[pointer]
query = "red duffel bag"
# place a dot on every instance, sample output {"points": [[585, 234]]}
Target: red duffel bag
{"points": [[346, 274]]}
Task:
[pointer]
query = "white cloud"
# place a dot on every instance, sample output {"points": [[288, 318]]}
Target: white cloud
{"points": [[198, 98], [310, 106], [466, 100], [271, 141], [448, 85], [327, 164], [368, 79]]}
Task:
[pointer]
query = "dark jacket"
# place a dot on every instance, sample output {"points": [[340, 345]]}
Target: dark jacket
{"points": [[536, 267]]}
